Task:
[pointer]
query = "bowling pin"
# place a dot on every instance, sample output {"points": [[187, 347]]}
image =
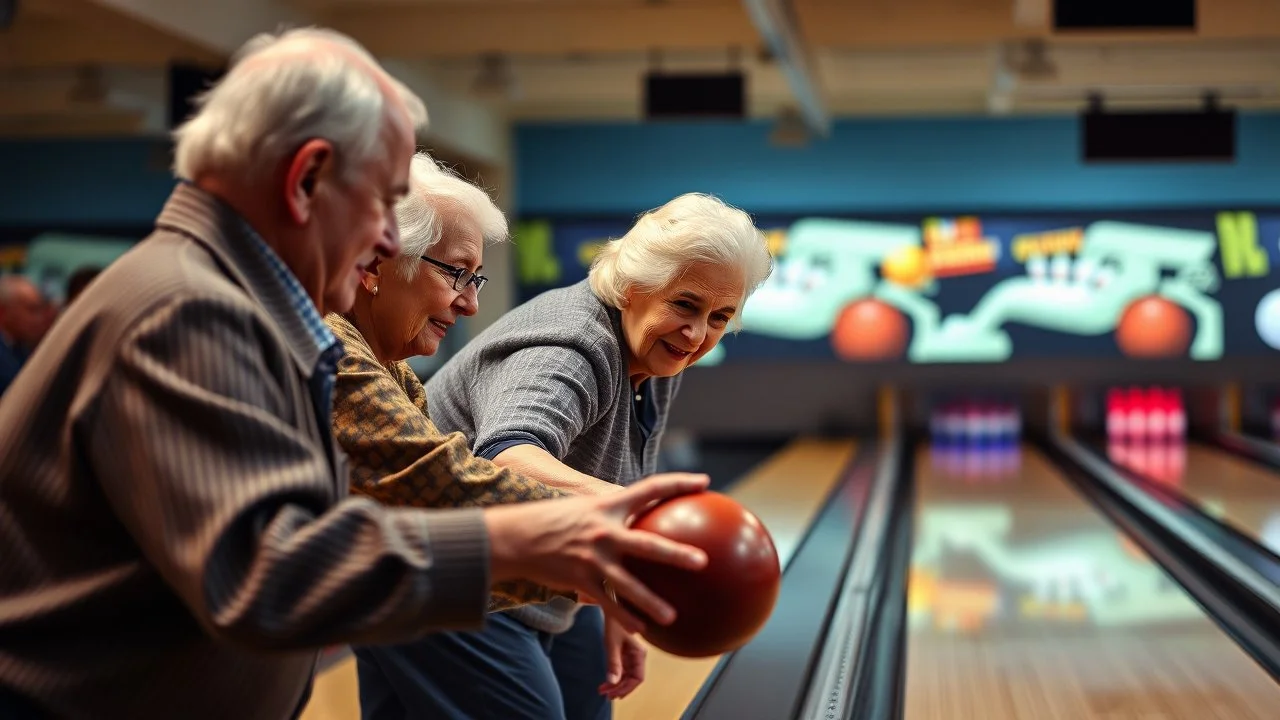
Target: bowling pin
{"points": [[988, 426], [1177, 416], [1138, 430], [1117, 418], [1003, 432], [953, 426], [972, 425], [1158, 415]]}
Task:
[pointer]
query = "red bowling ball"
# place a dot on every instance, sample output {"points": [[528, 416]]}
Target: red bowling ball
{"points": [[721, 607]]}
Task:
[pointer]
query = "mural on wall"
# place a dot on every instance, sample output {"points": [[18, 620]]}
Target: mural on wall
{"points": [[49, 258], [980, 289]]}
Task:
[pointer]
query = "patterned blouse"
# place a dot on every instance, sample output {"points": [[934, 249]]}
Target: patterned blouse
{"points": [[399, 457]]}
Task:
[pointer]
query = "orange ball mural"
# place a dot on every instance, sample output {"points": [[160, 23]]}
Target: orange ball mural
{"points": [[870, 330], [1153, 327]]}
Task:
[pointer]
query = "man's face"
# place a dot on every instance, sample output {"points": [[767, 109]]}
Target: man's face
{"points": [[25, 318], [356, 219]]}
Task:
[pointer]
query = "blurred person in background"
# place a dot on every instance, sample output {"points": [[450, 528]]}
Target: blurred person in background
{"points": [[78, 281], [24, 320]]}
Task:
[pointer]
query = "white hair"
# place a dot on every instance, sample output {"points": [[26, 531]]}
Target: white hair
{"points": [[435, 191], [693, 228], [284, 89]]}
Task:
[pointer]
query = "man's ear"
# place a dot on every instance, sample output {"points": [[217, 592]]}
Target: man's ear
{"points": [[371, 275], [310, 166]]}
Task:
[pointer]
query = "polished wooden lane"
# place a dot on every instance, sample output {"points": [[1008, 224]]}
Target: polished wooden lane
{"points": [[785, 491], [336, 695], [1024, 602], [1235, 490]]}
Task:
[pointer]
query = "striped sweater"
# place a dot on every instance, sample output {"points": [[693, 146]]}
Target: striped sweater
{"points": [[553, 373]]}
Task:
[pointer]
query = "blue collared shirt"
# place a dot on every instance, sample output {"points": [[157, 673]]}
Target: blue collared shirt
{"points": [[327, 343]]}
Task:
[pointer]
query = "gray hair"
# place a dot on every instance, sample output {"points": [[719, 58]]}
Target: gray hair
{"points": [[665, 242], [435, 191], [284, 89]]}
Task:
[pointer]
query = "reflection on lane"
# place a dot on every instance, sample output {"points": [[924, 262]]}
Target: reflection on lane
{"points": [[1233, 490], [1025, 602]]}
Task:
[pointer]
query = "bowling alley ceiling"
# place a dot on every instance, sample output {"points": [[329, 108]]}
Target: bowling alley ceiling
{"points": [[97, 66]]}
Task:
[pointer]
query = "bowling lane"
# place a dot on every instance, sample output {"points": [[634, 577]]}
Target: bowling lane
{"points": [[1232, 489], [1025, 602]]}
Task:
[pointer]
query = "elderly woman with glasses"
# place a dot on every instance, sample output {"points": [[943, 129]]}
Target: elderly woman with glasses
{"points": [[405, 307], [573, 388]]}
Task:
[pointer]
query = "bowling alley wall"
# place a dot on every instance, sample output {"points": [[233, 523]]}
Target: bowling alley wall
{"points": [[929, 254], [924, 253]]}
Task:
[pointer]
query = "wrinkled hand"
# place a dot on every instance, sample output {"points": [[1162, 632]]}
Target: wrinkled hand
{"points": [[579, 543], [625, 655]]}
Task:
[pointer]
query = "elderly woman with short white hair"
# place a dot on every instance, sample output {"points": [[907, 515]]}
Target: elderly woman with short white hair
{"points": [[404, 307], [573, 389]]}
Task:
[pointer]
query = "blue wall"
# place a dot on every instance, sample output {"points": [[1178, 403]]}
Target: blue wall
{"points": [[924, 165], [83, 182], [927, 165]]}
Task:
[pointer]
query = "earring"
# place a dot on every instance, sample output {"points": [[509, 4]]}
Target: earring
{"points": [[375, 289]]}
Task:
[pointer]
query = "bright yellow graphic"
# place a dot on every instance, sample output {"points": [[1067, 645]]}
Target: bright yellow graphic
{"points": [[1047, 244], [908, 266], [957, 247]]}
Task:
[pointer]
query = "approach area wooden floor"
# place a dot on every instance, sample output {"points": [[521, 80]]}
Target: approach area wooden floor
{"points": [[785, 491]]}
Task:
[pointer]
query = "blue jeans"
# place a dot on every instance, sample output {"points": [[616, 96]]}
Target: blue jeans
{"points": [[507, 671]]}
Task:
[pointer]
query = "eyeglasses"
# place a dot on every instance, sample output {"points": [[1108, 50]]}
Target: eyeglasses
{"points": [[462, 277]]}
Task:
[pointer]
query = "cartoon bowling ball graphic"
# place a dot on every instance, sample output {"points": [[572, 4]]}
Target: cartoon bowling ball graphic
{"points": [[870, 330], [907, 266], [1153, 327], [722, 606]]}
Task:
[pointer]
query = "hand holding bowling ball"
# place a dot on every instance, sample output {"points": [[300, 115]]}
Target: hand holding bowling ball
{"points": [[581, 543], [719, 608]]}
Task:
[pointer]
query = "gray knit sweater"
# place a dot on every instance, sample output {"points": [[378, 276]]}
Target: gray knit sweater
{"points": [[552, 373]]}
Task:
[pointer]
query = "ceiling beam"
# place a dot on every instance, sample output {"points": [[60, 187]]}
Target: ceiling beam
{"points": [[221, 26], [74, 45], [72, 33], [857, 24], [776, 23], [456, 121], [468, 28], [553, 27]]}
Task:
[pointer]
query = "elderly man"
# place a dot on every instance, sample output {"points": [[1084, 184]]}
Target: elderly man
{"points": [[23, 322], [178, 537]]}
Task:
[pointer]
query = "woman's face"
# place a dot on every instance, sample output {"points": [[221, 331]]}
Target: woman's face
{"points": [[670, 329], [411, 317]]}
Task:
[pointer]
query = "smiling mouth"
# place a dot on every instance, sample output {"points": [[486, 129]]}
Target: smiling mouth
{"points": [[441, 327], [675, 351]]}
